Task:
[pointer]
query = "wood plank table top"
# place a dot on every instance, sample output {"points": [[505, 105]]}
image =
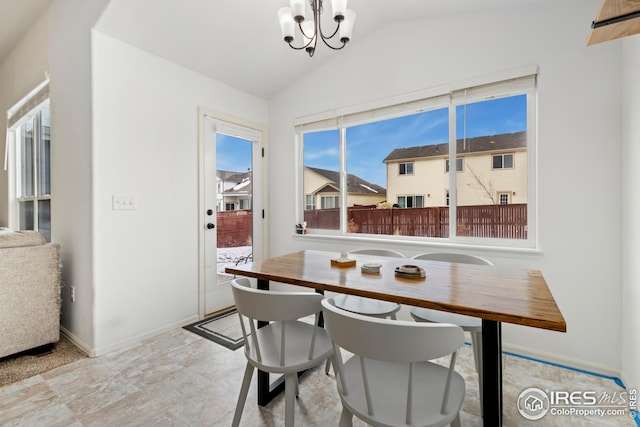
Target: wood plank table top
{"points": [[502, 294]]}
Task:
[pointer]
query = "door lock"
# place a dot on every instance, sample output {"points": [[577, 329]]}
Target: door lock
{"points": [[210, 226]]}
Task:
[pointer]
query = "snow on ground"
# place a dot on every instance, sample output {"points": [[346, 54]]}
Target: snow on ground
{"points": [[230, 257]]}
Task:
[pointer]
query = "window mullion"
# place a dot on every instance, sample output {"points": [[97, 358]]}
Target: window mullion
{"points": [[453, 195], [343, 178], [36, 185]]}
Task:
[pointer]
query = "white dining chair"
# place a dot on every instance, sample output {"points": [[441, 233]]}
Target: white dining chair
{"points": [[284, 346], [473, 325], [389, 380], [369, 306]]}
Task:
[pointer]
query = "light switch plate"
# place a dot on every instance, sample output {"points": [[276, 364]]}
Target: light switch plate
{"points": [[120, 203]]}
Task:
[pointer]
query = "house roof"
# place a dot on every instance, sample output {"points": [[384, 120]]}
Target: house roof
{"points": [[505, 141], [244, 187], [355, 185], [228, 175]]}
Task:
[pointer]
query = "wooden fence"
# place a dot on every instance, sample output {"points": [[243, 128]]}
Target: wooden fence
{"points": [[495, 221], [234, 228]]}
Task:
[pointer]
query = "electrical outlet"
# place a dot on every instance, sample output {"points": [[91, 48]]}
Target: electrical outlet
{"points": [[72, 292]]}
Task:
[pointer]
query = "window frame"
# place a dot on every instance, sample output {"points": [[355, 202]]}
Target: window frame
{"points": [[336, 201], [505, 84], [502, 162], [458, 159], [413, 197], [406, 167], [30, 109], [245, 204], [307, 205], [504, 193]]}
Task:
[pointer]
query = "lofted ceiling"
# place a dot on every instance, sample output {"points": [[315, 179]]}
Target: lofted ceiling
{"points": [[16, 16], [238, 42]]}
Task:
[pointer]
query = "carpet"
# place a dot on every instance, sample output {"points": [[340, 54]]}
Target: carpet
{"points": [[222, 328], [38, 361]]}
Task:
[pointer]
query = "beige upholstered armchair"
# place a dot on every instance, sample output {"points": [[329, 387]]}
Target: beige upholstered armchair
{"points": [[29, 291]]}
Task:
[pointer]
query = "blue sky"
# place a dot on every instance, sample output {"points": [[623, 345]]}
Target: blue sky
{"points": [[232, 154], [369, 144]]}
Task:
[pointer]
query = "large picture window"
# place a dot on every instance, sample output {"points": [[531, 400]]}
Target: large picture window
{"points": [[31, 126], [381, 162]]}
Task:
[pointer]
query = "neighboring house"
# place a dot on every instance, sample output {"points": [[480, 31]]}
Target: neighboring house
{"points": [[322, 190], [491, 170], [234, 190]]}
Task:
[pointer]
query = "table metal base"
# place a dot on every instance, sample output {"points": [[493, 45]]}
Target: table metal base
{"points": [[492, 372]]}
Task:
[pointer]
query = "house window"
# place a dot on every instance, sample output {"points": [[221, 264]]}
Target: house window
{"points": [[33, 170], [245, 204], [321, 173], [504, 198], [310, 201], [405, 168], [371, 158], [328, 202], [459, 165], [503, 161], [229, 206], [411, 201]]}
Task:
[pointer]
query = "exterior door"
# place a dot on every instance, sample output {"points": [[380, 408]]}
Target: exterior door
{"points": [[231, 206]]}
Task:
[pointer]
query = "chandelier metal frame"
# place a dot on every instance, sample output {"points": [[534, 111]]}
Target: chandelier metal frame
{"points": [[294, 17]]}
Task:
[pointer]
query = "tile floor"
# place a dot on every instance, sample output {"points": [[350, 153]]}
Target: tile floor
{"points": [[180, 379]]}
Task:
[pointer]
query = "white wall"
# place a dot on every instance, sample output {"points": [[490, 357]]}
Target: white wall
{"points": [[631, 213], [145, 144], [578, 135], [20, 73], [71, 175]]}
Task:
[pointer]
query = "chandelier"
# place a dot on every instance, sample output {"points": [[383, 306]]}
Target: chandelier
{"points": [[311, 29]]}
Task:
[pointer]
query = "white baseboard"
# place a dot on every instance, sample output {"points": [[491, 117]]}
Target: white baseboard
{"points": [[557, 359], [77, 341], [96, 352]]}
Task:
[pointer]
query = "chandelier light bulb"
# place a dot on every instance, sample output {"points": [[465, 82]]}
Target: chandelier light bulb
{"points": [[346, 29], [297, 10], [339, 8], [286, 24]]}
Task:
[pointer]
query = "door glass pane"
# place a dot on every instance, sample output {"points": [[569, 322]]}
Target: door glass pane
{"points": [[44, 145], [493, 142], [44, 219], [25, 215], [234, 202], [397, 180], [321, 179], [25, 159]]}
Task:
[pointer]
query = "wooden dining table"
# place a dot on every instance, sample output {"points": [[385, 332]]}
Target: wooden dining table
{"points": [[495, 294]]}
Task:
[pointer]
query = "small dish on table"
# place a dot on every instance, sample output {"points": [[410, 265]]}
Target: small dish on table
{"points": [[410, 271]]}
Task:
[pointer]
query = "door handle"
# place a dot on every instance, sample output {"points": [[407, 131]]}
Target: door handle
{"points": [[210, 226]]}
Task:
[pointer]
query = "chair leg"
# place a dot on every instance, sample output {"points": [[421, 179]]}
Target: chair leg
{"points": [[346, 418], [242, 398], [476, 341], [327, 367], [456, 421], [290, 386]]}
